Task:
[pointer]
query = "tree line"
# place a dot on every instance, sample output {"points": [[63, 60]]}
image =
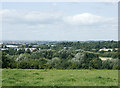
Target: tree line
{"points": [[64, 58]]}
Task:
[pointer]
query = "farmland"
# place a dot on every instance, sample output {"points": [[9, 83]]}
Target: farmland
{"points": [[60, 64], [34, 77]]}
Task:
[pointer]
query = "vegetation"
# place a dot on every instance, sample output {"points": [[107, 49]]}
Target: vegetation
{"points": [[33, 77], [63, 55], [61, 64]]}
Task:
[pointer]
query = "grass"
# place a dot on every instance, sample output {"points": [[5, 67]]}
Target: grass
{"points": [[34, 77]]}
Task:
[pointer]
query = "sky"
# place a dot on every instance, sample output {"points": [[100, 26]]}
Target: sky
{"points": [[59, 21]]}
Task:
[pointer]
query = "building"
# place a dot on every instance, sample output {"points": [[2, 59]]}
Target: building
{"points": [[11, 46], [104, 49]]}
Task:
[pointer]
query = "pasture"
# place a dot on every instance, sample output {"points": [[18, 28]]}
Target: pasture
{"points": [[34, 77]]}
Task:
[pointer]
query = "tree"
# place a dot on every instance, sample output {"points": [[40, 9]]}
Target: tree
{"points": [[8, 61], [95, 63]]}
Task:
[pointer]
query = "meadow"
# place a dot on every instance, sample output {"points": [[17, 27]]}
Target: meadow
{"points": [[34, 77]]}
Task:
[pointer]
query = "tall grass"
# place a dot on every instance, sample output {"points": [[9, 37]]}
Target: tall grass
{"points": [[34, 77]]}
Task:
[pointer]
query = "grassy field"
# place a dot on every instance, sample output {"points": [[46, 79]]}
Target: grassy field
{"points": [[34, 77]]}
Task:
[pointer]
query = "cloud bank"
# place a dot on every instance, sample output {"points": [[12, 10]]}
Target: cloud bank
{"points": [[36, 17], [56, 25]]}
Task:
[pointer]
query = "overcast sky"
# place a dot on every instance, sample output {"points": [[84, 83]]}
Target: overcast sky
{"points": [[60, 21]]}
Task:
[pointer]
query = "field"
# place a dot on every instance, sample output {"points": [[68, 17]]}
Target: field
{"points": [[34, 77]]}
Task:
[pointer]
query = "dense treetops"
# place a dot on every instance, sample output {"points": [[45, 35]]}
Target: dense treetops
{"points": [[64, 55]]}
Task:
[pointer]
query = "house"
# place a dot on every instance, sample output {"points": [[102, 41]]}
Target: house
{"points": [[104, 49], [11, 46]]}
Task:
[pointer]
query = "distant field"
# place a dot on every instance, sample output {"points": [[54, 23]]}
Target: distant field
{"points": [[34, 77]]}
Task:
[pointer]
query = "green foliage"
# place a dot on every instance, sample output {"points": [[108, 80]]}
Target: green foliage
{"points": [[63, 55], [8, 61], [95, 63], [109, 54], [110, 64]]}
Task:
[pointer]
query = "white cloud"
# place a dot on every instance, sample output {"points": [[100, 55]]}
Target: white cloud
{"points": [[36, 17], [86, 19], [54, 4], [36, 26], [41, 17], [33, 17]]}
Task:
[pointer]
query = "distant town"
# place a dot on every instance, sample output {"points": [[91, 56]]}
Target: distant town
{"points": [[33, 45]]}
